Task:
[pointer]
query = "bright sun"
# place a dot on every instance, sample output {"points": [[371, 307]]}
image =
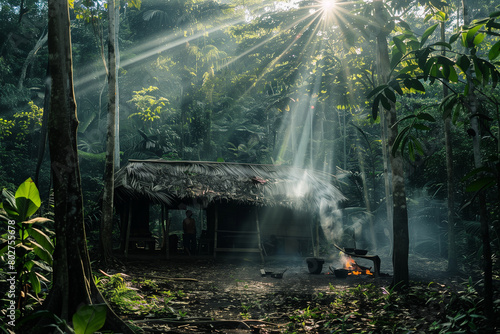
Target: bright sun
{"points": [[327, 5]]}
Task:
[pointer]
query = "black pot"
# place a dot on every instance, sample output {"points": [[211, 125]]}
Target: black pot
{"points": [[341, 273], [315, 265], [360, 251]]}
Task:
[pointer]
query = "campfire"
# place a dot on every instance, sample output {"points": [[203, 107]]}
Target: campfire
{"points": [[353, 267]]}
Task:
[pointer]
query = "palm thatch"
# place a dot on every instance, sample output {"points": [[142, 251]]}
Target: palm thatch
{"points": [[171, 182]]}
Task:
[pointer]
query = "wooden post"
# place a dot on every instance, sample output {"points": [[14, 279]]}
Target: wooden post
{"points": [[127, 234], [216, 213], [258, 234], [162, 226], [167, 233], [311, 228], [316, 224]]}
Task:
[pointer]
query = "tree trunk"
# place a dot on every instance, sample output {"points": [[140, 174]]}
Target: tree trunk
{"points": [[72, 275], [452, 250], [483, 211], [43, 131], [29, 59], [117, 90], [109, 167], [73, 284], [400, 213]]}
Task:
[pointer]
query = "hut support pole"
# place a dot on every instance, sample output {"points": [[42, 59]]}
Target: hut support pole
{"points": [[127, 233], [162, 226], [258, 235], [316, 249], [216, 223], [167, 234], [166, 230]]}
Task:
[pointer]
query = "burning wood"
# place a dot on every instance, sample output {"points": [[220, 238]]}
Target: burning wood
{"points": [[353, 267]]}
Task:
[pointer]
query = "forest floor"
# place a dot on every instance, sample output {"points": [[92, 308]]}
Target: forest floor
{"points": [[199, 294]]}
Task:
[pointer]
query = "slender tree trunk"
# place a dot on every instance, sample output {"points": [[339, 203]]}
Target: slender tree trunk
{"points": [[117, 90], [29, 59], [109, 167], [483, 211], [43, 131], [400, 213], [73, 284], [452, 250]]}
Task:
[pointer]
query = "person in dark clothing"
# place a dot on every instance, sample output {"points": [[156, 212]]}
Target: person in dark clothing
{"points": [[189, 238]]}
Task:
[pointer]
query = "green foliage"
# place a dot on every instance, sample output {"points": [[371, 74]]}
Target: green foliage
{"points": [[139, 298], [405, 136], [89, 318], [27, 244], [368, 308], [412, 64], [149, 106], [23, 124]]}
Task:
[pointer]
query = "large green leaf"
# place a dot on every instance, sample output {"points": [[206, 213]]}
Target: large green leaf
{"points": [[35, 282], [418, 146], [468, 36], [478, 39], [428, 67], [454, 37], [376, 90], [401, 135], [41, 252], [446, 45], [399, 44], [420, 126], [42, 239], [478, 68], [414, 84], [89, 318], [426, 116], [27, 199], [427, 33], [396, 57], [481, 184], [494, 51], [389, 93], [385, 102], [463, 62], [9, 205]]}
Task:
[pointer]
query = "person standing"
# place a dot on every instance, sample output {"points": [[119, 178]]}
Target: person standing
{"points": [[189, 238]]}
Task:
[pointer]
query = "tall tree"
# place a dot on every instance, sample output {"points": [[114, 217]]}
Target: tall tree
{"points": [[116, 50], [73, 284], [450, 182], [400, 213], [106, 245], [473, 106]]}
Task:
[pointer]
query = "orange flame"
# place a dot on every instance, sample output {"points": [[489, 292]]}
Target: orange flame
{"points": [[354, 268]]}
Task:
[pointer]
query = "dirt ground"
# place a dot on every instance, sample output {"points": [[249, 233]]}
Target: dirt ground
{"points": [[230, 294]]}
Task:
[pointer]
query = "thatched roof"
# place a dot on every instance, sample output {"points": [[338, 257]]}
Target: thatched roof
{"points": [[171, 182]]}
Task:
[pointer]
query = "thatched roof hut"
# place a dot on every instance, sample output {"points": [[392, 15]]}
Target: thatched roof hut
{"points": [[244, 203], [171, 182]]}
